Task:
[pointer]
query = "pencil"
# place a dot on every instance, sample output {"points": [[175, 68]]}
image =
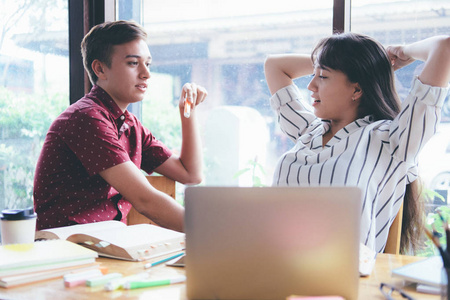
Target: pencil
{"points": [[149, 265]]}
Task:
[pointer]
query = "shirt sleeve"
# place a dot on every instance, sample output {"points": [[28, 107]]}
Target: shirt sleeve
{"points": [[417, 121], [295, 117], [93, 138], [154, 152]]}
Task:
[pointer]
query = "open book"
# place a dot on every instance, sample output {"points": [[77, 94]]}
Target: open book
{"points": [[116, 240]]}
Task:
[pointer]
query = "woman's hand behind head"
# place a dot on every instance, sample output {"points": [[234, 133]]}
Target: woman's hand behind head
{"points": [[398, 57]]}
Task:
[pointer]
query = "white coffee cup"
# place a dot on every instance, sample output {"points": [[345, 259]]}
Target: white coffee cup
{"points": [[18, 226]]}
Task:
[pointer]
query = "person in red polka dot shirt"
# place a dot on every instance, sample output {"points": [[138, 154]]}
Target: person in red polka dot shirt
{"points": [[89, 169]]}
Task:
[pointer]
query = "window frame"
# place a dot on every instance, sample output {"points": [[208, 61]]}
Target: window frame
{"points": [[85, 14]]}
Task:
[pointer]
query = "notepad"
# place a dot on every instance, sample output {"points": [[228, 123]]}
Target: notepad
{"points": [[427, 271], [15, 259], [20, 264]]}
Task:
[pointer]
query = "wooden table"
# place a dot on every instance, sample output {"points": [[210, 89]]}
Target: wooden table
{"points": [[54, 289]]}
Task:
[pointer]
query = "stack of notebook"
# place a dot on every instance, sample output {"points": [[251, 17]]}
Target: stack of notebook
{"points": [[26, 263]]}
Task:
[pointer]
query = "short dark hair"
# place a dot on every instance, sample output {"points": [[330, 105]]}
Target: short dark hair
{"points": [[100, 40], [366, 62]]}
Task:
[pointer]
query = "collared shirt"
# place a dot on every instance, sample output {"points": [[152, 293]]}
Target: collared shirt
{"points": [[90, 136], [379, 157]]}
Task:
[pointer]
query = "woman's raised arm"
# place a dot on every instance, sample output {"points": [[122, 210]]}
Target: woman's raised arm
{"points": [[434, 51], [281, 69]]}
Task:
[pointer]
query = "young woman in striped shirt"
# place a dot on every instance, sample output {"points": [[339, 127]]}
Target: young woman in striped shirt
{"points": [[357, 133]]}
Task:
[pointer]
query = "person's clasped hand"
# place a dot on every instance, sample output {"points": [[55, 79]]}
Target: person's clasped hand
{"points": [[191, 96], [398, 57]]}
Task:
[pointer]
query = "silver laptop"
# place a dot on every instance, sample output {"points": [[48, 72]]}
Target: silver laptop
{"points": [[272, 242]]}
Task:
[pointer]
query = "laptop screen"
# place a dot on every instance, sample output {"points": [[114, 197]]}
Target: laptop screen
{"points": [[272, 242]]}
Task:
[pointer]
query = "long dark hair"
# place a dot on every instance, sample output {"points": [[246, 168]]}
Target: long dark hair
{"points": [[366, 62]]}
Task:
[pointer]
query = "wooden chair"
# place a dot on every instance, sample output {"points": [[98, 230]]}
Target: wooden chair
{"points": [[160, 183], [395, 233]]}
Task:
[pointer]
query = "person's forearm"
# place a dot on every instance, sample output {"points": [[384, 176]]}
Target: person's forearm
{"points": [[147, 200], [191, 155], [281, 69], [435, 52], [163, 210], [421, 50]]}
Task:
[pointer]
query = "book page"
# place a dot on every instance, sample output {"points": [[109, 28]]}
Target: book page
{"points": [[126, 242], [90, 228], [133, 235]]}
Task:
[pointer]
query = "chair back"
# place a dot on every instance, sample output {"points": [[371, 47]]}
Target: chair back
{"points": [[395, 234]]}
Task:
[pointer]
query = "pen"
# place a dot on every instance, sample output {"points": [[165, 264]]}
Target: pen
{"points": [[150, 283], [149, 265]]}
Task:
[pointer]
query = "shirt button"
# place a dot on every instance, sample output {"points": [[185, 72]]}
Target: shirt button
{"points": [[122, 117]]}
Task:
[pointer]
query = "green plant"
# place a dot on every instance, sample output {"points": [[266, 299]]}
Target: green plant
{"points": [[436, 221], [24, 121], [433, 221], [256, 169]]}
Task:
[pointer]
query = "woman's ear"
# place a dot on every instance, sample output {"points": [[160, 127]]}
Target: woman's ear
{"points": [[99, 69], [357, 92]]}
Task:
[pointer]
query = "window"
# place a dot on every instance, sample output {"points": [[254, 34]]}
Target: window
{"points": [[223, 48], [34, 72], [218, 44], [391, 24]]}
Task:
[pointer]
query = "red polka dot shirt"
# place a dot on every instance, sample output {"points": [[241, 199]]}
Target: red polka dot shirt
{"points": [[90, 136]]}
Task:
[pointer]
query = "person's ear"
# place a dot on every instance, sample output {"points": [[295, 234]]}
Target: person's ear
{"points": [[357, 92], [99, 69]]}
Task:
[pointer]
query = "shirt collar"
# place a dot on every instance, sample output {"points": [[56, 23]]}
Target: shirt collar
{"points": [[100, 94], [354, 126]]}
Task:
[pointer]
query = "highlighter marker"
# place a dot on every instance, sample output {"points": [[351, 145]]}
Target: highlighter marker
{"points": [[187, 107], [151, 283], [102, 279], [118, 283], [80, 278]]}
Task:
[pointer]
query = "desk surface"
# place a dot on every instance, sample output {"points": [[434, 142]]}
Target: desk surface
{"points": [[54, 289]]}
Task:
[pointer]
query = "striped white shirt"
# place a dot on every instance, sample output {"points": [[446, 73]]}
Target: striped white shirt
{"points": [[379, 157]]}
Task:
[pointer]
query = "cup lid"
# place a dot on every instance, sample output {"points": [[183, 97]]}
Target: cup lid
{"points": [[18, 214]]}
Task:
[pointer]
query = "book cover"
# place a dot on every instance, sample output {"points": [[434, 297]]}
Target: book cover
{"points": [[20, 279], [43, 254], [116, 240], [46, 266]]}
